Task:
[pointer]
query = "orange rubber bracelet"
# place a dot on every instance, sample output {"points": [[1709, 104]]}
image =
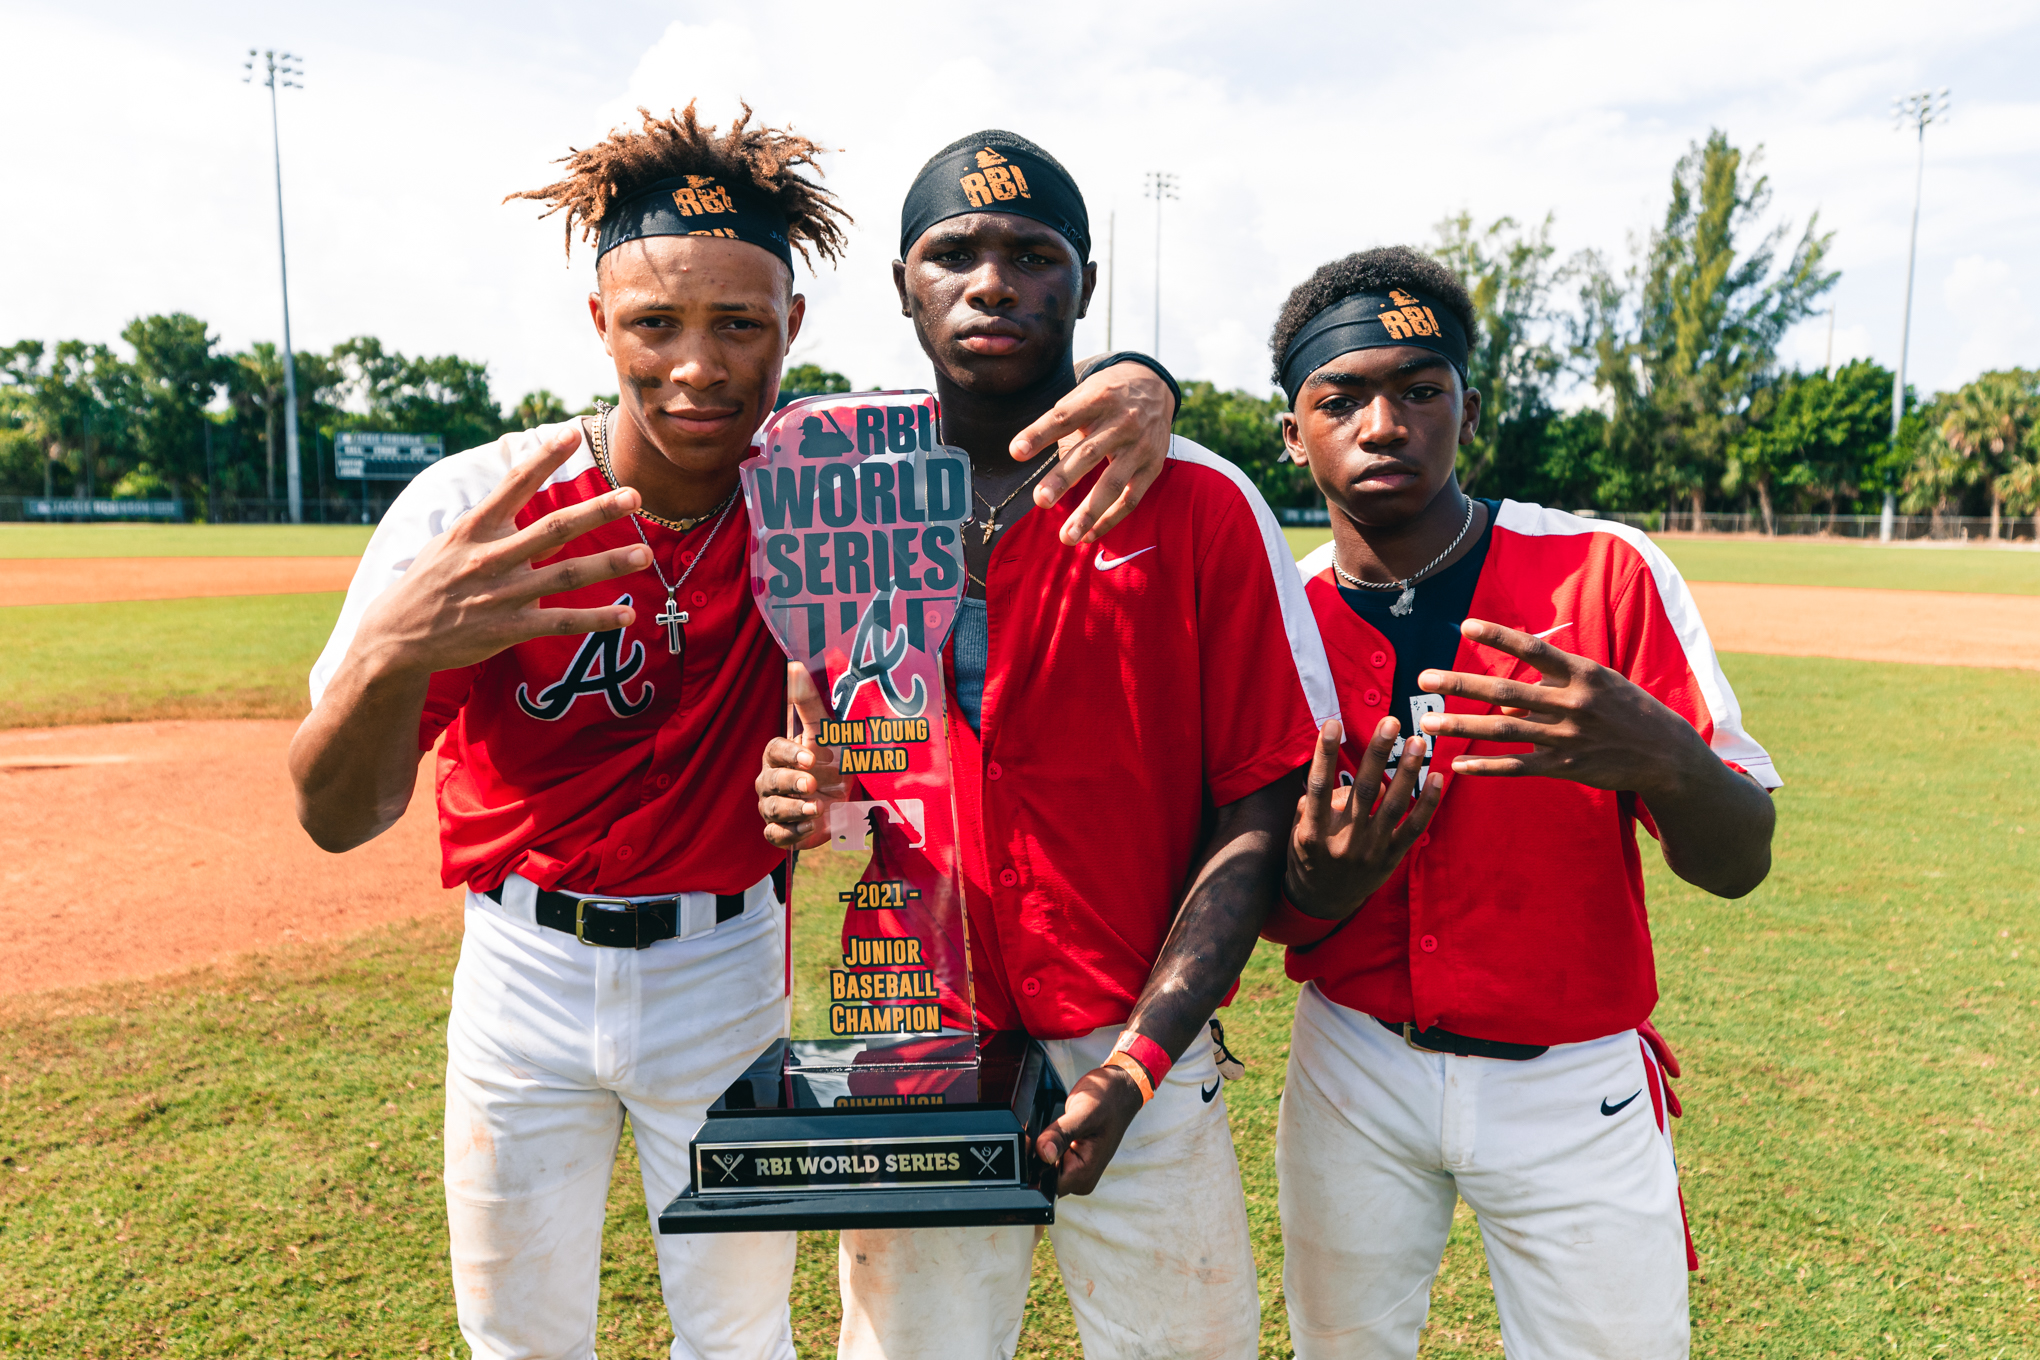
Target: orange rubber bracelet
{"points": [[1131, 1066]]}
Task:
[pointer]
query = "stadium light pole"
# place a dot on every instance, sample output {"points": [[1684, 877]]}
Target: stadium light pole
{"points": [[1160, 185], [1913, 111], [1111, 271], [281, 68]]}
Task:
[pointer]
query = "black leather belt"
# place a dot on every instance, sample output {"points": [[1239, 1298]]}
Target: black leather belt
{"points": [[616, 923], [1461, 1045]]}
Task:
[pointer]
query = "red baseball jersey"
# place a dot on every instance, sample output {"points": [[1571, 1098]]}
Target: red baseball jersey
{"points": [[599, 762], [1519, 915], [1130, 686]]}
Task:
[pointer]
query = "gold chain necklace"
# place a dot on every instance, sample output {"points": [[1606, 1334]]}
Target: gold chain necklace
{"points": [[602, 410], [988, 527], [674, 620]]}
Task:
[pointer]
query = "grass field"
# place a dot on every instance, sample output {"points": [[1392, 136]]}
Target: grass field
{"points": [[245, 1162], [238, 657], [183, 540], [1811, 562]]}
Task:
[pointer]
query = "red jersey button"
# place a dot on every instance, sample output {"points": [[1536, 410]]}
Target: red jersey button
{"points": [[1429, 944], [1379, 660], [663, 780], [1371, 697], [623, 852], [1031, 987], [1424, 839], [700, 597], [992, 771], [687, 560], [1007, 878]]}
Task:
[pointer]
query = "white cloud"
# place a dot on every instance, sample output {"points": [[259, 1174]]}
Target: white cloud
{"points": [[1299, 133]]}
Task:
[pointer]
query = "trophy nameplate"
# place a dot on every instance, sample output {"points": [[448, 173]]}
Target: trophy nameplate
{"points": [[900, 1113]]}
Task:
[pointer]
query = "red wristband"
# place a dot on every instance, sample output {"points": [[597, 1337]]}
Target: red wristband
{"points": [[1146, 1052]]}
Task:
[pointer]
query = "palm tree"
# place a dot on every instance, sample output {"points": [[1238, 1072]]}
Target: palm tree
{"points": [[257, 384], [1985, 424]]}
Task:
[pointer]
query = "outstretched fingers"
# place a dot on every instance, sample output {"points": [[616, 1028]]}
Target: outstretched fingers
{"points": [[575, 572], [498, 510], [1074, 412], [1314, 809], [1403, 808], [1555, 664], [549, 535]]}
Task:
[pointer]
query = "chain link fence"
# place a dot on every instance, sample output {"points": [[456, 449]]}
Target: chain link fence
{"points": [[1904, 528]]}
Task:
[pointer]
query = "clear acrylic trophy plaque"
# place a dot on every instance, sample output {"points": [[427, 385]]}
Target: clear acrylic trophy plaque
{"points": [[898, 1112]]}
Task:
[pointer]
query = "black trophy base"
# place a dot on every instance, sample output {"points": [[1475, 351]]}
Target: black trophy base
{"points": [[942, 1149]]}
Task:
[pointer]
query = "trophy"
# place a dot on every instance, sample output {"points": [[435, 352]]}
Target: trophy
{"points": [[902, 1114]]}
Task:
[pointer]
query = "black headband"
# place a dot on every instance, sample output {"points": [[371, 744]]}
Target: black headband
{"points": [[1373, 321], [697, 205], [993, 175]]}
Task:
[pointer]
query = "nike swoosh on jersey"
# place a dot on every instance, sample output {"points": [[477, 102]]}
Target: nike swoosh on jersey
{"points": [[1549, 631], [1606, 1108], [1104, 563], [1211, 1092]]}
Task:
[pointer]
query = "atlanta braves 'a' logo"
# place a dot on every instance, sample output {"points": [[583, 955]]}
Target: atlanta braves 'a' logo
{"points": [[599, 668], [873, 654]]}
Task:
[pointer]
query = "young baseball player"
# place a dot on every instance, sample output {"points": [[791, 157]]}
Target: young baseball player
{"points": [[1129, 725], [1478, 965], [567, 613]]}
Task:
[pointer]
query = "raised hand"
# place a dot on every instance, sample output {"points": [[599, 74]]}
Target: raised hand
{"points": [[1344, 844], [802, 778], [1119, 415], [1583, 721], [473, 591]]}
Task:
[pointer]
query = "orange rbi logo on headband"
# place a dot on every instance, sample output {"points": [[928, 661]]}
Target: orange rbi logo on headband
{"points": [[1414, 318], [702, 195], [996, 180]]}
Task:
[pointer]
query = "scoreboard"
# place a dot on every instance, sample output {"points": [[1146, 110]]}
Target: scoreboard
{"points": [[382, 456]]}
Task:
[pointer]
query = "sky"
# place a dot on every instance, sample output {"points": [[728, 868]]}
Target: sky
{"points": [[1297, 133]]}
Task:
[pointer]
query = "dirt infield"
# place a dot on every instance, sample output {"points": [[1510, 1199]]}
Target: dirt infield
{"points": [[95, 580], [139, 848], [1923, 627]]}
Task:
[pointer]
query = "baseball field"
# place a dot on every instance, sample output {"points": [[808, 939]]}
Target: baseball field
{"points": [[219, 1090]]}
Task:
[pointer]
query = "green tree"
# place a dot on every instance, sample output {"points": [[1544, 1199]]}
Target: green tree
{"points": [[1245, 430], [69, 399], [1516, 358], [1813, 435], [1986, 433], [810, 380], [174, 377], [447, 395], [537, 408], [1683, 344]]}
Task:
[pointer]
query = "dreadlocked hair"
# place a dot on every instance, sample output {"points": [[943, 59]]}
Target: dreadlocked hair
{"points": [[624, 163]]}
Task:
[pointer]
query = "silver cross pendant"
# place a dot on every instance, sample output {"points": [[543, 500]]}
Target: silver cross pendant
{"points": [[675, 622]]}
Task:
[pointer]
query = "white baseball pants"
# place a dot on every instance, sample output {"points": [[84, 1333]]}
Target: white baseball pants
{"points": [[1562, 1157], [550, 1045], [1156, 1260]]}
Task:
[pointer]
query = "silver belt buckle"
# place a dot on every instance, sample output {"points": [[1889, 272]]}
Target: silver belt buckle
{"points": [[581, 906]]}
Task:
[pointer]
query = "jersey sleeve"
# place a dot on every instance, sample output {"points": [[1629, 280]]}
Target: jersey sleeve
{"points": [[1297, 929], [425, 509], [1663, 646], [1266, 684]]}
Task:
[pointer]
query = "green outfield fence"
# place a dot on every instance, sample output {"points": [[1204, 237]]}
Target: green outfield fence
{"points": [[356, 509], [1904, 528], [369, 510]]}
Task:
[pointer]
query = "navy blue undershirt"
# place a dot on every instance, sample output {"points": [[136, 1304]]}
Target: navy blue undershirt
{"points": [[1426, 638]]}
